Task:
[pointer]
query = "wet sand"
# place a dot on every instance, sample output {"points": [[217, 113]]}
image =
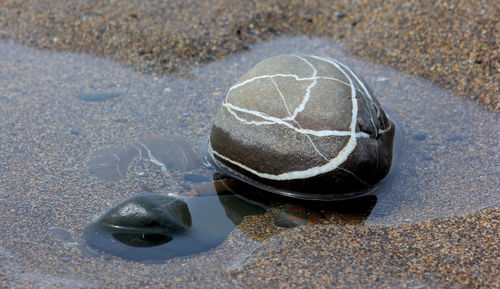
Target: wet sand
{"points": [[43, 150], [452, 43]]}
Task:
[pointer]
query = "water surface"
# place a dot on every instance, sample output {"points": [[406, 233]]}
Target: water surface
{"points": [[449, 163]]}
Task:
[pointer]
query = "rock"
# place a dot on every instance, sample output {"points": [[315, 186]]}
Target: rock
{"points": [[153, 228], [149, 213], [303, 126]]}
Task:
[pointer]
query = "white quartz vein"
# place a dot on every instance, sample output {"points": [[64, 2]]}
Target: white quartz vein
{"points": [[118, 165], [265, 76], [268, 120], [296, 122], [307, 96], [274, 120]]}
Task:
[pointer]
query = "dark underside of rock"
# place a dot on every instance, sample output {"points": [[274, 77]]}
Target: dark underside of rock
{"points": [[303, 126]]}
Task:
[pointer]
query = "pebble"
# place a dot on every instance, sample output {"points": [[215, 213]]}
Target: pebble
{"points": [[303, 126]]}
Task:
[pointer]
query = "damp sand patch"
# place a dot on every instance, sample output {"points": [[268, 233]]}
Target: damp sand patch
{"points": [[448, 164]]}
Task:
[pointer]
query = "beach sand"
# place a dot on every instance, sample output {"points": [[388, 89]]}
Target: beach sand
{"points": [[452, 43], [45, 138]]}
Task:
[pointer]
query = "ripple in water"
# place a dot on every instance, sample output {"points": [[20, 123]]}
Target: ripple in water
{"points": [[449, 160], [169, 153]]}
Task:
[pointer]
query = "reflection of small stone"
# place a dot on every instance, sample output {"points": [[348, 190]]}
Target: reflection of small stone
{"points": [[142, 239], [152, 227]]}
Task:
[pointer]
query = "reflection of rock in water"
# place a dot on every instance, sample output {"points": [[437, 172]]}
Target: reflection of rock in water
{"points": [[149, 213], [287, 213], [348, 211], [152, 227], [171, 153], [281, 212], [142, 239]]}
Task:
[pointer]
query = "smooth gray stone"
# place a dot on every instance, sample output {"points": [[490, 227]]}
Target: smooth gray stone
{"points": [[303, 126]]}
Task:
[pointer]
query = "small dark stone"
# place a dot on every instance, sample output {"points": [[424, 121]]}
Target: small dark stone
{"points": [[340, 15], [271, 30], [74, 132], [149, 213]]}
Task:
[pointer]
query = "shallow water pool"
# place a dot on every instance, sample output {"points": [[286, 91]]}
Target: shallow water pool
{"points": [[448, 164]]}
